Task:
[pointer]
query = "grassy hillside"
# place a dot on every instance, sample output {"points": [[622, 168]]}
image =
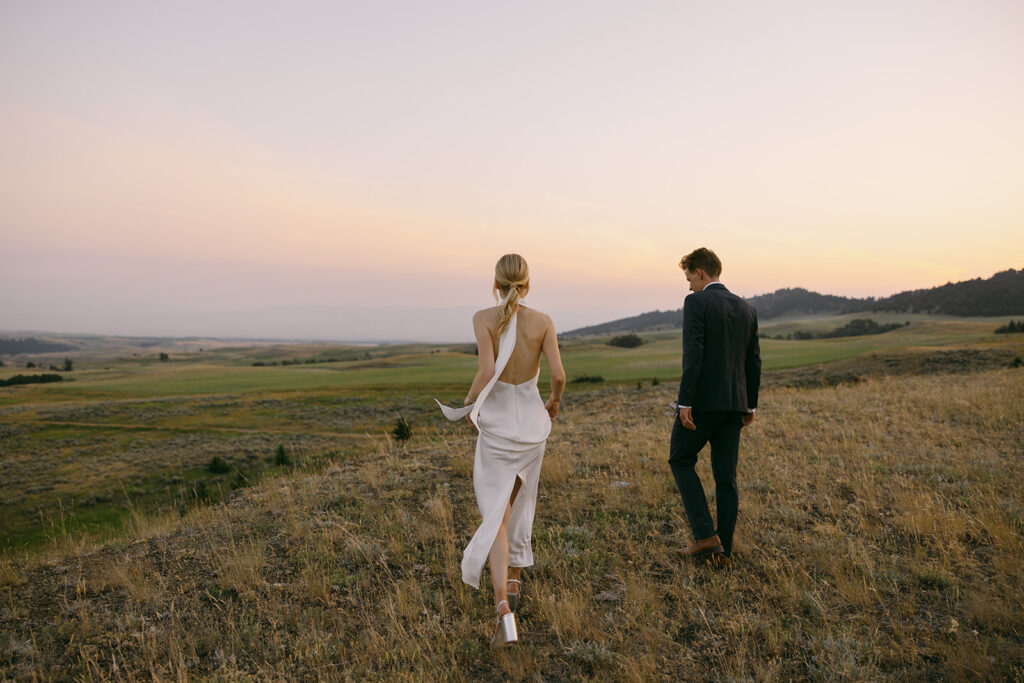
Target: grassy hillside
{"points": [[879, 538], [134, 435]]}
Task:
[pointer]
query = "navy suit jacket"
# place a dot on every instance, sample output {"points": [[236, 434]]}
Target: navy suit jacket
{"points": [[721, 354]]}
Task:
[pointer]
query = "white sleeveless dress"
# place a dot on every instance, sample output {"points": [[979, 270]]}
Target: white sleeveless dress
{"points": [[513, 428]]}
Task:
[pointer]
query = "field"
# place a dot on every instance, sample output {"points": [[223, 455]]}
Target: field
{"points": [[879, 537]]}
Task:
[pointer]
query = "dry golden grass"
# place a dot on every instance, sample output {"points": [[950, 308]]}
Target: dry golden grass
{"points": [[880, 537]]}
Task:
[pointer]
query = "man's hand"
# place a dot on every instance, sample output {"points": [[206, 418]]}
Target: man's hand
{"points": [[747, 419], [686, 417]]}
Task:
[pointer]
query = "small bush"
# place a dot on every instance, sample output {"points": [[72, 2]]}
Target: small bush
{"points": [[200, 490], [1011, 327], [68, 365], [281, 457], [655, 382], [240, 481], [164, 356], [1016, 362], [626, 341], [217, 466], [402, 430], [593, 379]]}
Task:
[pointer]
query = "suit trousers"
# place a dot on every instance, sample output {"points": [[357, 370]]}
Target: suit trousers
{"points": [[722, 430]]}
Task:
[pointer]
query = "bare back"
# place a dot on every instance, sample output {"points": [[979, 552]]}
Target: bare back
{"points": [[533, 330]]}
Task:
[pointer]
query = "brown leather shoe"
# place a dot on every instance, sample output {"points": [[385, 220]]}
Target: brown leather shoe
{"points": [[702, 547]]}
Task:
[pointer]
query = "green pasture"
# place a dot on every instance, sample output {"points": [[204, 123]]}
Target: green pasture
{"points": [[423, 368], [922, 321], [778, 353]]}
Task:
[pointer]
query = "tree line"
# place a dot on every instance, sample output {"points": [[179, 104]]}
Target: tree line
{"points": [[30, 379], [12, 345], [857, 327]]}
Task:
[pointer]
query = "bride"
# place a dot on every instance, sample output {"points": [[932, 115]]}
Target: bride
{"points": [[513, 422]]}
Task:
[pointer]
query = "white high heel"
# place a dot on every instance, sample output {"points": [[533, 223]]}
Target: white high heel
{"points": [[505, 630]]}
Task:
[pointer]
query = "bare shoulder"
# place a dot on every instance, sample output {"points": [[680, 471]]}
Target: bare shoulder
{"points": [[537, 319], [486, 314], [486, 319]]}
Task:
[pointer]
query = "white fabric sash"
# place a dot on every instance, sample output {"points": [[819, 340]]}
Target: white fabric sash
{"points": [[504, 353]]}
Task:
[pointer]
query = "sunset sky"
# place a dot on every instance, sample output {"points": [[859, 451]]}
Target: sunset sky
{"points": [[352, 170]]}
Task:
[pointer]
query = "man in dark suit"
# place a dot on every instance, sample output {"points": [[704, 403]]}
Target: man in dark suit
{"points": [[717, 398]]}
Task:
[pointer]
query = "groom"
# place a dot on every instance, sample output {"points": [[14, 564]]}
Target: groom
{"points": [[717, 398]]}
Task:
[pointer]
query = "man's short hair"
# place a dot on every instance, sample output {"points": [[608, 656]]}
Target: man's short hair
{"points": [[702, 258]]}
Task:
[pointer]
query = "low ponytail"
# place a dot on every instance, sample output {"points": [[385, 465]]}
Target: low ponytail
{"points": [[512, 280]]}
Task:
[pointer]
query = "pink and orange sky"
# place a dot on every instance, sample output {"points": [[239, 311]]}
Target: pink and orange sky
{"points": [[353, 170]]}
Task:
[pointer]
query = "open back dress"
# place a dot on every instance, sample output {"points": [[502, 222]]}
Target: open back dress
{"points": [[513, 428]]}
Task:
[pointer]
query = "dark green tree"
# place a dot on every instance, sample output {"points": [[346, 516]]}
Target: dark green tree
{"points": [[626, 341]]}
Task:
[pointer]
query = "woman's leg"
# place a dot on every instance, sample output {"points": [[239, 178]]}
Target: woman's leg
{"points": [[497, 559], [514, 572]]}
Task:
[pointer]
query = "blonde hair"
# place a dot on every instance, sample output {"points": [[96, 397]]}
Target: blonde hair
{"points": [[512, 281]]}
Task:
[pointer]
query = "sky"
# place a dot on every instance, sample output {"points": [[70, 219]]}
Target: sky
{"points": [[352, 170]]}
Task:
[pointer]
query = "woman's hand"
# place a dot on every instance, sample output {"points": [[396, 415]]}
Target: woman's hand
{"points": [[552, 407]]}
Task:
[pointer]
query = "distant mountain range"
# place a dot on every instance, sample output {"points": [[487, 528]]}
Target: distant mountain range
{"points": [[1001, 294]]}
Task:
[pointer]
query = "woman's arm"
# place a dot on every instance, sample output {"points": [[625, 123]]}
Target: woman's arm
{"points": [[554, 359], [485, 353]]}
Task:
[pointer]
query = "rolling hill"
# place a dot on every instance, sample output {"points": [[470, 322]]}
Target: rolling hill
{"points": [[1001, 294]]}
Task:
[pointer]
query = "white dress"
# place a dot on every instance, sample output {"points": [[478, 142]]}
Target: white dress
{"points": [[513, 428]]}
